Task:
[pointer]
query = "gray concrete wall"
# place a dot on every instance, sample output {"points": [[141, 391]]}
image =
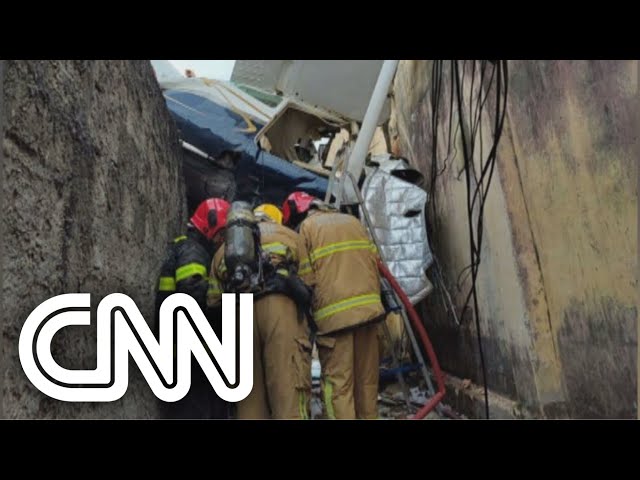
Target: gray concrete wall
{"points": [[93, 190]]}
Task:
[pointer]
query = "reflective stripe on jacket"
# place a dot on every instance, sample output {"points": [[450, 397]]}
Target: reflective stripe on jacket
{"points": [[184, 271], [284, 247], [343, 262]]}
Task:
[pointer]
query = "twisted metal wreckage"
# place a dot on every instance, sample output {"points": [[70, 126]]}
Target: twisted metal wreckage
{"points": [[254, 139]]}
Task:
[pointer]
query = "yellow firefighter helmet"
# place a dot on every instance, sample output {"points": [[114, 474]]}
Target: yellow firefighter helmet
{"points": [[269, 211]]}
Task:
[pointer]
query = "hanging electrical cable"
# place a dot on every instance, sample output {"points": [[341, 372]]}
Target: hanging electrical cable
{"points": [[477, 168], [438, 280], [481, 189]]}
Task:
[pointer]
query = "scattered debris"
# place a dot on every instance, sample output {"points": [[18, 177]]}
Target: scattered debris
{"points": [[391, 401]]}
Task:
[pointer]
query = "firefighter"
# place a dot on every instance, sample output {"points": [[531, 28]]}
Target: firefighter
{"points": [[185, 270], [282, 345], [346, 304]]}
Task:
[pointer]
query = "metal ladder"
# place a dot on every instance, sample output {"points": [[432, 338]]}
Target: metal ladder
{"points": [[344, 174]]}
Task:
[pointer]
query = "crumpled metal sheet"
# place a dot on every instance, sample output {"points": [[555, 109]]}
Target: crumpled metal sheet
{"points": [[260, 176], [397, 212]]}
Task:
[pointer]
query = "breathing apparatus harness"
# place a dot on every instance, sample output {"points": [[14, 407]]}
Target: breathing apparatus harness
{"points": [[283, 278], [249, 268]]}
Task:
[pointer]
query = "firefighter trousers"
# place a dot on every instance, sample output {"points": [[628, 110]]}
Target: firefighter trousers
{"points": [[350, 372], [282, 362]]}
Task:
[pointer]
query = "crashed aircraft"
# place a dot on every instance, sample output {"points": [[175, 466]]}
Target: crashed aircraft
{"points": [[259, 137]]}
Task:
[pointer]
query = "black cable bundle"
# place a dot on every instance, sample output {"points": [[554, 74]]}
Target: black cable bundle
{"points": [[476, 194]]}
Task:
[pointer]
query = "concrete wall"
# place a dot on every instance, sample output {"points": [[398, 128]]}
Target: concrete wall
{"points": [[557, 283], [93, 190]]}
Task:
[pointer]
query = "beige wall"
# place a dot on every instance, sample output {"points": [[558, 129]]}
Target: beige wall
{"points": [[557, 283]]}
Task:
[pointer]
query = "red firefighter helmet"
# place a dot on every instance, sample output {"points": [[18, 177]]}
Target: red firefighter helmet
{"points": [[211, 216], [296, 204]]}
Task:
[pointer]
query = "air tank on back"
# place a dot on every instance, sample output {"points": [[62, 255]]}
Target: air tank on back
{"points": [[241, 253]]}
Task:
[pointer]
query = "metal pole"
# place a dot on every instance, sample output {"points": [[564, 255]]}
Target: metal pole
{"points": [[356, 160], [374, 238], [332, 179], [405, 318], [197, 151]]}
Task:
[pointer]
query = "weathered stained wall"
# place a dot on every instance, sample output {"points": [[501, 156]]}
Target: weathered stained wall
{"points": [[557, 282], [93, 190]]}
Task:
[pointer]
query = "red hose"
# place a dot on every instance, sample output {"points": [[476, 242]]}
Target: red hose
{"points": [[417, 324]]}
